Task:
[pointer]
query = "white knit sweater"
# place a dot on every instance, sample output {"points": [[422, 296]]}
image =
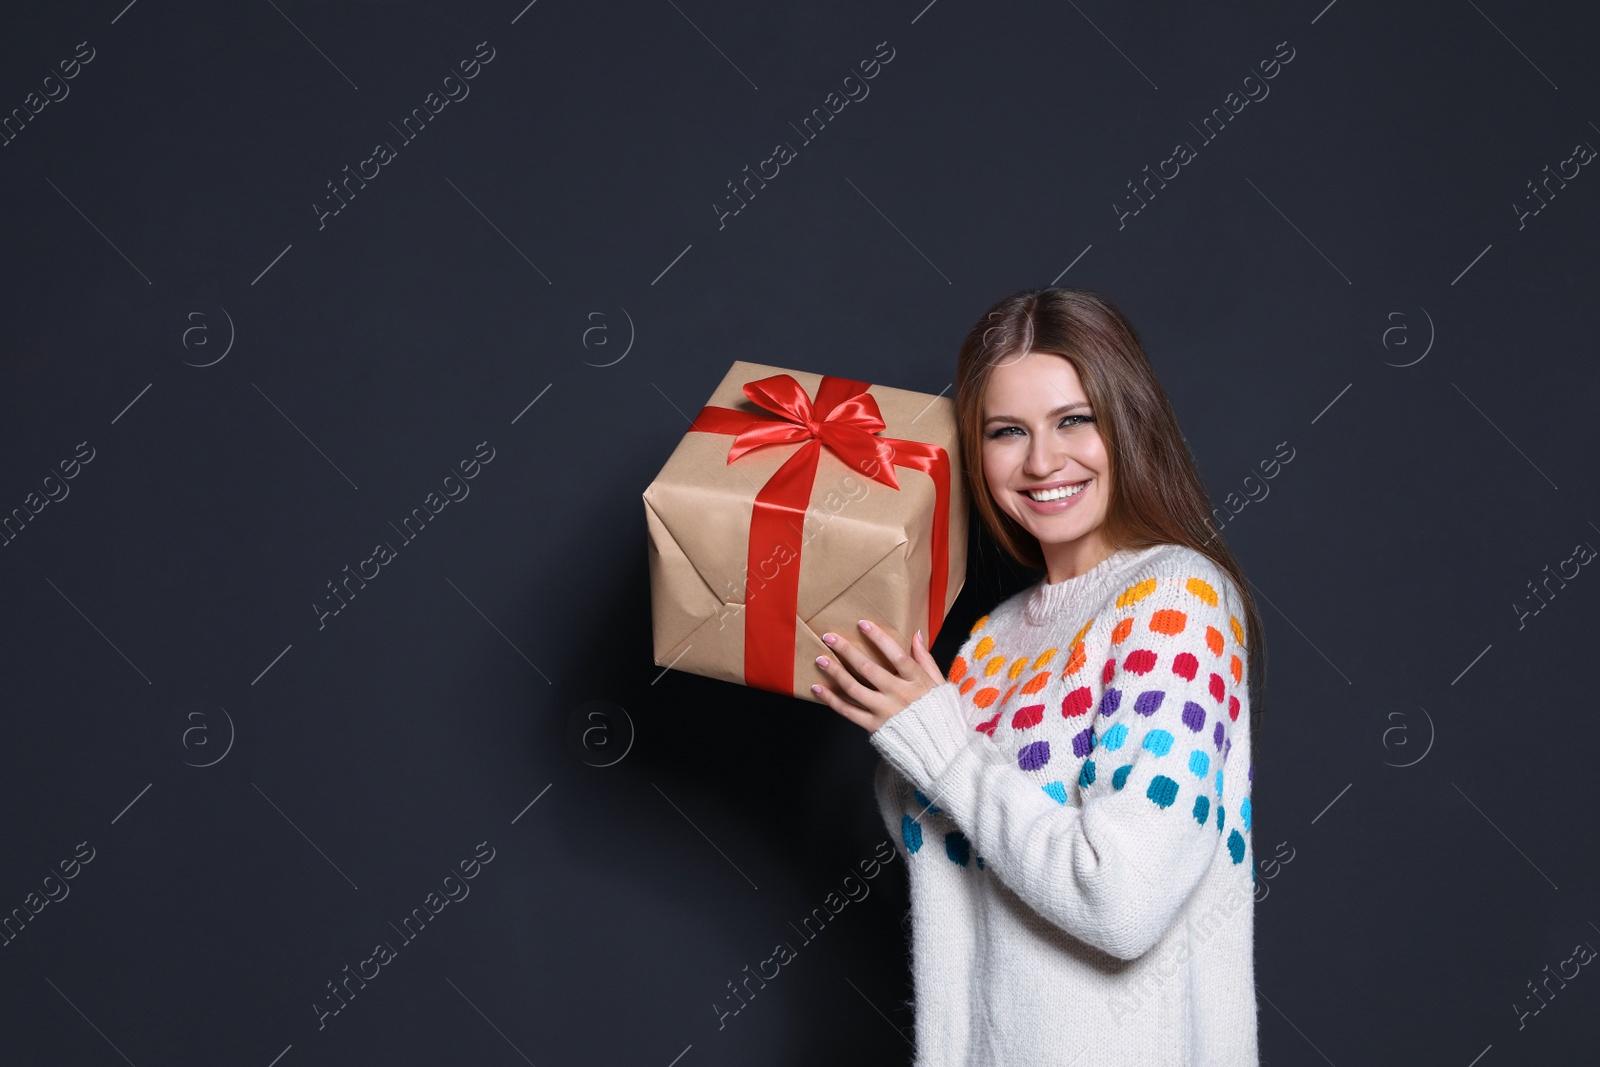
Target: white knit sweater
{"points": [[1076, 834]]}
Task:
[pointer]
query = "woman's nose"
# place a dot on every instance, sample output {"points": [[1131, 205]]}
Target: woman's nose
{"points": [[1044, 456]]}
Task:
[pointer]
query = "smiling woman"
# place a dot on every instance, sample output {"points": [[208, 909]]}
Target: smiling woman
{"points": [[1091, 902]]}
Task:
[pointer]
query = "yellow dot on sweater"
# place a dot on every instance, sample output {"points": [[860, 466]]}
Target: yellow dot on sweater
{"points": [[1036, 683], [983, 648], [1044, 657], [1120, 632], [984, 697], [994, 666], [1135, 593], [1202, 590], [1017, 668], [958, 669], [1236, 668], [977, 626], [1214, 640], [1238, 631]]}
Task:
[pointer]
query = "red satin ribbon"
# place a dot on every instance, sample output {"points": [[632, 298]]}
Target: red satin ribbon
{"points": [[845, 419]]}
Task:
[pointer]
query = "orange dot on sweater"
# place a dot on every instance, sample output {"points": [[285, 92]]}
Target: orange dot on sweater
{"points": [[994, 666], [1202, 590], [967, 685], [1214, 640], [1120, 632], [958, 669], [1075, 660], [1009, 692], [983, 648], [1168, 621], [1044, 657], [1135, 593], [1036, 683], [1236, 668], [1017, 668], [984, 697], [977, 626]]}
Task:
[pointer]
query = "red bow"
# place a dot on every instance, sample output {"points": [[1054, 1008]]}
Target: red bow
{"points": [[845, 419]]}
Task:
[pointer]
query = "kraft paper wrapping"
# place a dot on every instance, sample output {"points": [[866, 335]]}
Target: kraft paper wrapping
{"points": [[862, 548]]}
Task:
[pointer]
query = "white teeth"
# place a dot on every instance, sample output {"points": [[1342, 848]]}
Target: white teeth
{"points": [[1044, 496]]}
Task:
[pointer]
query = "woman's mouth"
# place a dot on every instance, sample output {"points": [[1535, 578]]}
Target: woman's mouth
{"points": [[1056, 499]]}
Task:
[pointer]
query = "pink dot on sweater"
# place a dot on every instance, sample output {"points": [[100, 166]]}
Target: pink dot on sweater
{"points": [[1076, 702], [1028, 717], [1140, 661]]}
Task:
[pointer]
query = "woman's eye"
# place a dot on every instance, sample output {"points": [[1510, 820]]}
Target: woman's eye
{"points": [[1067, 422]]}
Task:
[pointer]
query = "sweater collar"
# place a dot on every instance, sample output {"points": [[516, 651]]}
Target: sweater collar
{"points": [[1048, 601]]}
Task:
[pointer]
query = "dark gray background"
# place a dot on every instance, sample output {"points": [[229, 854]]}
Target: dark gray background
{"points": [[1359, 216]]}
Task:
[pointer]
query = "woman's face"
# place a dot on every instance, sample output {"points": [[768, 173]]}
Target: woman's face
{"points": [[1039, 434]]}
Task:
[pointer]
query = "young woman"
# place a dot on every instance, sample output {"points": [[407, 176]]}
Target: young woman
{"points": [[1075, 825]]}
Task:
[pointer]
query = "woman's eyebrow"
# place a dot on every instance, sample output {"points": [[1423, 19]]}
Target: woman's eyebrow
{"points": [[1062, 410]]}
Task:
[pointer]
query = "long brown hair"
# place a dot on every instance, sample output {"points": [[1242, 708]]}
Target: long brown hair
{"points": [[1157, 496]]}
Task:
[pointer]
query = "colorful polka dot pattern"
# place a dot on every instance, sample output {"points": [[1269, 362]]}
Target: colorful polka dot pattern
{"points": [[1164, 698]]}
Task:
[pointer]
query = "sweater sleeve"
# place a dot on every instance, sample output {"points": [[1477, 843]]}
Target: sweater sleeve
{"points": [[1114, 864]]}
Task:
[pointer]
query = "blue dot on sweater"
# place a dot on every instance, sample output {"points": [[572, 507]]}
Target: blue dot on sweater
{"points": [[1236, 846], [1199, 763], [1086, 775], [1244, 812], [1057, 791], [1113, 738], [1219, 781], [1162, 790], [910, 833], [1158, 741], [1202, 809], [1120, 778], [1220, 810], [957, 847], [927, 804]]}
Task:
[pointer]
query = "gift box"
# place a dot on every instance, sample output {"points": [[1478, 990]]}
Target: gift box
{"points": [[797, 504]]}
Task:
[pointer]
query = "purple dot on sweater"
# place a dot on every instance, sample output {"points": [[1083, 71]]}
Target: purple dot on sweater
{"points": [[1227, 749], [1110, 701], [1083, 743], [1034, 755], [1194, 716], [1149, 701], [1216, 735], [1252, 772]]}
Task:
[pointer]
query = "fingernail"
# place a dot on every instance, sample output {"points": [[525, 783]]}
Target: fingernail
{"points": [[829, 638], [919, 635], [822, 661], [865, 625], [817, 689]]}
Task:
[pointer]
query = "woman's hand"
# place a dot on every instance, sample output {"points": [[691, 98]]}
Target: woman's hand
{"points": [[915, 673]]}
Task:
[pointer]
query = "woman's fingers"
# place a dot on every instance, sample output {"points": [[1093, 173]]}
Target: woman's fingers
{"points": [[843, 707], [904, 665], [834, 667], [919, 649]]}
